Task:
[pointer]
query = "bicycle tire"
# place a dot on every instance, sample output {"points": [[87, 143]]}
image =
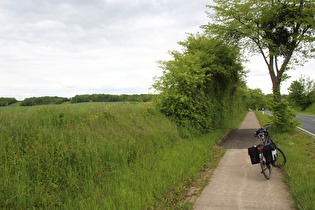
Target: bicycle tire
{"points": [[281, 158], [266, 168]]}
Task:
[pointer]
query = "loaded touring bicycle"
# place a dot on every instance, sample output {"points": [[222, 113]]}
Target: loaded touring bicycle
{"points": [[267, 154]]}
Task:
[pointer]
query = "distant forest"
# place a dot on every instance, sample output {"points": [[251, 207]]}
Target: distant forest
{"points": [[33, 101], [7, 101], [111, 98]]}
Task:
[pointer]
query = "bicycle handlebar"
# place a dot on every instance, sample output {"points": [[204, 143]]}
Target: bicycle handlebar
{"points": [[261, 132], [267, 126]]}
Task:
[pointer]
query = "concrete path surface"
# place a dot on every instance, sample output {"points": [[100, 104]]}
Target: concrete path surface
{"points": [[237, 184]]}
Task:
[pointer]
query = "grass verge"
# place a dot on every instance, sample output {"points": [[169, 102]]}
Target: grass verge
{"points": [[310, 110], [100, 156], [299, 169]]}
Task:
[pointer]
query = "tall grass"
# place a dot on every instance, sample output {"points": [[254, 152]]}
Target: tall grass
{"points": [[299, 169], [98, 156]]}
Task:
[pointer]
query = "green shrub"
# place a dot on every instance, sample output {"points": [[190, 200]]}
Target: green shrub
{"points": [[201, 87], [283, 117]]}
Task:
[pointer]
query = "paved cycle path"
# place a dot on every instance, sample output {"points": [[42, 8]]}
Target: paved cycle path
{"points": [[237, 184]]}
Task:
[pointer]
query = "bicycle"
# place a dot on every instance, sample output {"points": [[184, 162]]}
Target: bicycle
{"points": [[267, 154]]}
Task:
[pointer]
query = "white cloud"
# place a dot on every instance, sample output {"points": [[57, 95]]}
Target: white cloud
{"points": [[69, 47]]}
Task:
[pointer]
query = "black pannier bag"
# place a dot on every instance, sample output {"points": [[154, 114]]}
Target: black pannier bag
{"points": [[269, 152], [254, 154]]}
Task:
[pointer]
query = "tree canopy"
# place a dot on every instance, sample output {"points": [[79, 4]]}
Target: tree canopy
{"points": [[257, 99], [7, 101], [111, 98], [302, 92], [43, 100], [282, 31]]}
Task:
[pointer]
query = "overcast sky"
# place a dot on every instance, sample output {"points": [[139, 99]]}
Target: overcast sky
{"points": [[69, 47]]}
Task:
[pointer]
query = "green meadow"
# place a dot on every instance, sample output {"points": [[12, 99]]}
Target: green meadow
{"points": [[100, 156]]}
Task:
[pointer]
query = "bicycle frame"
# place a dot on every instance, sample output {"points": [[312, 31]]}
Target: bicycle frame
{"points": [[264, 136], [266, 167], [272, 156]]}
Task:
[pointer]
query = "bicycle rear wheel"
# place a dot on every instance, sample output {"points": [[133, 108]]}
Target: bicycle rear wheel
{"points": [[266, 168], [281, 158]]}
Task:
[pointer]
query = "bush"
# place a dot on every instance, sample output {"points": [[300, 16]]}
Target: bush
{"points": [[200, 87], [283, 117]]}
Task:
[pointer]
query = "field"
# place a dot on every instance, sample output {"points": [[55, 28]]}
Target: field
{"points": [[100, 156], [299, 170]]}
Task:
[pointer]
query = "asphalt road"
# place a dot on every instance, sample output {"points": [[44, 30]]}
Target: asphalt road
{"points": [[308, 121]]}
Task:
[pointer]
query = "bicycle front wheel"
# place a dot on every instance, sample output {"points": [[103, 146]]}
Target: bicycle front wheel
{"points": [[266, 168], [280, 158]]}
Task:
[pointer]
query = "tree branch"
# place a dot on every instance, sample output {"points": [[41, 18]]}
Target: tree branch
{"points": [[287, 58]]}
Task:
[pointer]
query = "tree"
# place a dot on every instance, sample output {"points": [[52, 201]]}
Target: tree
{"points": [[282, 31], [302, 92], [257, 99], [43, 100], [199, 86], [7, 101]]}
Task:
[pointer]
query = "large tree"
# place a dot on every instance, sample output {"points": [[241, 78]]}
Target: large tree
{"points": [[282, 31]]}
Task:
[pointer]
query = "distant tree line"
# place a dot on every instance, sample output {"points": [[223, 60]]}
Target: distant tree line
{"points": [[301, 95], [111, 98], [7, 101], [43, 100]]}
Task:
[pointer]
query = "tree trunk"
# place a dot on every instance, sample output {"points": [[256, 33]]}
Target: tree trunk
{"points": [[276, 89], [276, 79]]}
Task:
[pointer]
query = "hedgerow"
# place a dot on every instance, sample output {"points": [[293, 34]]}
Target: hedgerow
{"points": [[202, 86]]}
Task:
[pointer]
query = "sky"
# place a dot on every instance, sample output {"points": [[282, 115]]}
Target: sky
{"points": [[70, 47]]}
